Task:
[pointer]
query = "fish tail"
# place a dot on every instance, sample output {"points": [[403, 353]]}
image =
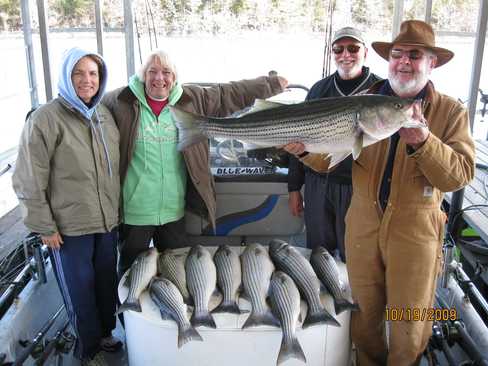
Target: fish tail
{"points": [[228, 307], [133, 305], [188, 131], [290, 349], [187, 334], [341, 305], [255, 320], [202, 319], [321, 316]]}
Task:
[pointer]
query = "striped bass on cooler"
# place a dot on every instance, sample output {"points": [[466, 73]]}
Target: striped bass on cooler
{"points": [[229, 279], [257, 269], [170, 303], [140, 274], [285, 301], [201, 280], [172, 267], [326, 269]]}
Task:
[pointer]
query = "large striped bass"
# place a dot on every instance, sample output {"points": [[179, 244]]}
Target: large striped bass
{"points": [[335, 126]]}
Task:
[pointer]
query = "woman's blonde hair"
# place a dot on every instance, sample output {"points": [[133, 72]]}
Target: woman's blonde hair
{"points": [[163, 58]]}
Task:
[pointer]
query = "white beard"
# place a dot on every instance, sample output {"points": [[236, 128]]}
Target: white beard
{"points": [[413, 86]]}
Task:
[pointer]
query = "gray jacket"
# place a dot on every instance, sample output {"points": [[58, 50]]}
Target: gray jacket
{"points": [[62, 176]]}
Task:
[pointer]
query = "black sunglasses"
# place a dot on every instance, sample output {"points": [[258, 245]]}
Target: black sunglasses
{"points": [[351, 48], [411, 54]]}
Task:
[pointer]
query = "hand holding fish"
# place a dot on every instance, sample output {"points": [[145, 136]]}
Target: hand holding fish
{"points": [[415, 137], [294, 148], [283, 82]]}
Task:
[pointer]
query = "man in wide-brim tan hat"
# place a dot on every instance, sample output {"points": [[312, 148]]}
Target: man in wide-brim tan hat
{"points": [[394, 226]]}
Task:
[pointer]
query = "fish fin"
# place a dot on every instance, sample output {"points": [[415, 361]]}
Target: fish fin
{"points": [[261, 105], [188, 334], [358, 146], [244, 295], [127, 279], [343, 304], [252, 146], [229, 307], [133, 305], [203, 319], [319, 317], [255, 320], [188, 131], [336, 158], [291, 349], [165, 315]]}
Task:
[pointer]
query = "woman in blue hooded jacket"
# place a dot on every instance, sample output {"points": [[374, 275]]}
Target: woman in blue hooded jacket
{"points": [[67, 182]]}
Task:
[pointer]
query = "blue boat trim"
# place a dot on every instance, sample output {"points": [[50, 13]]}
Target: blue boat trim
{"points": [[225, 224]]}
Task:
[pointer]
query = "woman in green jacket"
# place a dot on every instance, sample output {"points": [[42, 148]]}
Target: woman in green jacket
{"points": [[158, 181]]}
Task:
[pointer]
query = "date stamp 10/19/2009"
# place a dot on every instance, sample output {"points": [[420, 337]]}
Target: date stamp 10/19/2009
{"points": [[420, 314]]}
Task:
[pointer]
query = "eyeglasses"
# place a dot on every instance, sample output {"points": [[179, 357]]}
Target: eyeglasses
{"points": [[351, 48], [411, 54]]}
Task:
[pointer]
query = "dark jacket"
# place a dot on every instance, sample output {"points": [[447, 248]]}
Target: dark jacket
{"points": [[327, 88]]}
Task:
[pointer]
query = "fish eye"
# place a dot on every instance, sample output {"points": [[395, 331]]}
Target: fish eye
{"points": [[398, 105]]}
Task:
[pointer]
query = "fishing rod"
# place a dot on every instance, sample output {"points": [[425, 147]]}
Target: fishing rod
{"points": [[450, 331], [60, 342], [138, 37], [37, 339], [153, 25], [148, 26]]}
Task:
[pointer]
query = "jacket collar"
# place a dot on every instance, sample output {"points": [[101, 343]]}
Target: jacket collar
{"points": [[126, 95]]}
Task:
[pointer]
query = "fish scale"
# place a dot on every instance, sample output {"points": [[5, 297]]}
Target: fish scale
{"points": [[303, 280]]}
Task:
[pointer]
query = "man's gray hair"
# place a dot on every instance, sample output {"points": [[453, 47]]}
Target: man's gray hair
{"points": [[163, 58]]}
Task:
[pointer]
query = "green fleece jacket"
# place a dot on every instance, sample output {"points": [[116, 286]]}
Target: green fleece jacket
{"points": [[155, 185]]}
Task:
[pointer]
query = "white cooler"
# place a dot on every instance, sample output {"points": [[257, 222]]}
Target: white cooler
{"points": [[152, 341]]}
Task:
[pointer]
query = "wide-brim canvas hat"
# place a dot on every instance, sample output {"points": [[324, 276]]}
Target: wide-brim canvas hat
{"points": [[415, 33]]}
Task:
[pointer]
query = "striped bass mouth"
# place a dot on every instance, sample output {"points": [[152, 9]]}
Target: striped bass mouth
{"points": [[277, 245]]}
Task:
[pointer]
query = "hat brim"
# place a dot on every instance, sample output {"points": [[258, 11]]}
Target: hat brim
{"points": [[348, 36], [443, 54]]}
